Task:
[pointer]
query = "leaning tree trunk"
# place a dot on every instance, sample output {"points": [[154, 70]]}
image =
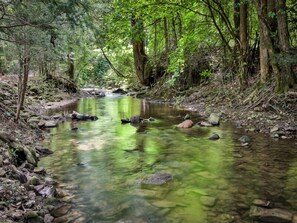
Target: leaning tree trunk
{"points": [[23, 84], [140, 57]]}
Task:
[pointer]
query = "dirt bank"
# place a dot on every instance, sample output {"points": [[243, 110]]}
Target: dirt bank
{"points": [[257, 109]]}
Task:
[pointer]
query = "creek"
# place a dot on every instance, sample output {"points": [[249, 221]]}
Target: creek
{"points": [[104, 162]]}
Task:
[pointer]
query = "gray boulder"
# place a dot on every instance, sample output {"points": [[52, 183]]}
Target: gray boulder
{"points": [[214, 119], [50, 124]]}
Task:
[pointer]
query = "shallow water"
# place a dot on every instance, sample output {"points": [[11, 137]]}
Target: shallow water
{"points": [[213, 181]]}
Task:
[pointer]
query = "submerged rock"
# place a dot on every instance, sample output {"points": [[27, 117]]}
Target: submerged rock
{"points": [[158, 179], [274, 215], [208, 201], [61, 210], [164, 204]]}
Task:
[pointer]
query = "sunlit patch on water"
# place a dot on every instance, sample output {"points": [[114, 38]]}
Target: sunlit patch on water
{"points": [[92, 144], [105, 163]]}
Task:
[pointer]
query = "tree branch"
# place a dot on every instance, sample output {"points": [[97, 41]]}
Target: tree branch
{"points": [[216, 25], [111, 65]]}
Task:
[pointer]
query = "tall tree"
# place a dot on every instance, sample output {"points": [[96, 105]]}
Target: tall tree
{"points": [[286, 79], [140, 57], [244, 45], [264, 58]]}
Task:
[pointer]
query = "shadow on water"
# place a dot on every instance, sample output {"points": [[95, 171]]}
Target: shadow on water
{"points": [[213, 181]]}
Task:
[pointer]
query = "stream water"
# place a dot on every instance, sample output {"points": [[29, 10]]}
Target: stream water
{"points": [[213, 181]]}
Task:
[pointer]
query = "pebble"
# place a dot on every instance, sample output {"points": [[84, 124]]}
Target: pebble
{"points": [[208, 201]]}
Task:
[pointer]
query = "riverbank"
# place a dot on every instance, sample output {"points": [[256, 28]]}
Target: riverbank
{"points": [[254, 109], [28, 193]]}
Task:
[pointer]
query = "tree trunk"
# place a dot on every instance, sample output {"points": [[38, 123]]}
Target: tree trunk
{"points": [[243, 32], [175, 38], [236, 18], [180, 26], [23, 84], [267, 41], [286, 79], [70, 70], [271, 20], [264, 59], [140, 57], [155, 39], [166, 35]]}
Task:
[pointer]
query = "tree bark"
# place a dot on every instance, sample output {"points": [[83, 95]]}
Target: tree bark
{"points": [[243, 32], [175, 38], [236, 18], [180, 26], [166, 35], [264, 59], [23, 84], [286, 79], [70, 70], [267, 41], [140, 57], [271, 20]]}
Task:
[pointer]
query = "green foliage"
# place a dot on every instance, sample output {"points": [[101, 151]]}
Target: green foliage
{"points": [[172, 81], [57, 28], [94, 72], [205, 73]]}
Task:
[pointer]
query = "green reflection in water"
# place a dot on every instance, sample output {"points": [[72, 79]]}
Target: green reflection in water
{"points": [[105, 161]]}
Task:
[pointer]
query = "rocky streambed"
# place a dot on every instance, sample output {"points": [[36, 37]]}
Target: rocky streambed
{"points": [[27, 192]]}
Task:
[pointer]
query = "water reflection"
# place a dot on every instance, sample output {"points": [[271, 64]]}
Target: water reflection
{"points": [[213, 181]]}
